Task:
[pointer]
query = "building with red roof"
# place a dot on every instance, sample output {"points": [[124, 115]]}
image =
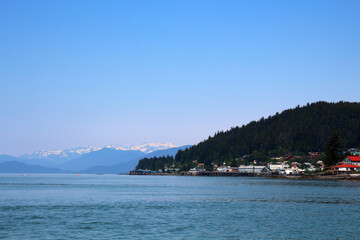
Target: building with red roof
{"points": [[347, 168], [355, 160]]}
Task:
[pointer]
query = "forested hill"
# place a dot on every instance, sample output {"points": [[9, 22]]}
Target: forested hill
{"points": [[301, 129]]}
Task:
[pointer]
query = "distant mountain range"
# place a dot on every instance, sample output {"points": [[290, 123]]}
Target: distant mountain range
{"points": [[59, 156], [126, 166], [19, 167], [104, 157], [107, 159]]}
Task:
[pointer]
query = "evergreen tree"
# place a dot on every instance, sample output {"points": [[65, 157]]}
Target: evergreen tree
{"points": [[332, 150]]}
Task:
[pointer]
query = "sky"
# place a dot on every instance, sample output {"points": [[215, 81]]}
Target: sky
{"points": [[79, 73]]}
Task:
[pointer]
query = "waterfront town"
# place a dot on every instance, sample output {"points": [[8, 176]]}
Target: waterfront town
{"points": [[282, 166]]}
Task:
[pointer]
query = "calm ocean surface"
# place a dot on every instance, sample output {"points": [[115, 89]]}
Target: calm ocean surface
{"points": [[170, 207]]}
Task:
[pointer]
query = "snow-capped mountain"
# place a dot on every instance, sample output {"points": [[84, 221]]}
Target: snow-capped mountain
{"points": [[69, 154], [64, 153], [145, 148], [150, 147], [61, 155]]}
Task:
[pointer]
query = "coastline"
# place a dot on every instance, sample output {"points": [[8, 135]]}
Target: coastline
{"points": [[338, 177]]}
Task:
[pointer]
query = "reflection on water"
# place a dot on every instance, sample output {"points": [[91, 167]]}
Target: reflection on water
{"points": [[163, 207]]}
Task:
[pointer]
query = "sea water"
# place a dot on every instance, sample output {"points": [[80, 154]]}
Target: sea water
{"points": [[176, 207]]}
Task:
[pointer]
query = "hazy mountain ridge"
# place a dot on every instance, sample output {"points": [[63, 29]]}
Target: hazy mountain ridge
{"points": [[125, 167], [60, 156], [103, 157], [7, 158], [19, 167]]}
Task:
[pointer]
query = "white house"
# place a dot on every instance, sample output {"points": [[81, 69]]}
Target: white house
{"points": [[293, 171], [222, 169], [278, 166], [309, 166]]}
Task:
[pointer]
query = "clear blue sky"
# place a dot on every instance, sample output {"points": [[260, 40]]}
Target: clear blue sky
{"points": [[75, 73]]}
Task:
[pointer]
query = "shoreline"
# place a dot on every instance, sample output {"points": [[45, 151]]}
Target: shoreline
{"points": [[352, 177], [330, 177]]}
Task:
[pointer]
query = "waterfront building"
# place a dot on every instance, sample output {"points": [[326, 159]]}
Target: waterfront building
{"points": [[222, 169], [355, 160], [293, 171], [253, 169], [347, 168], [309, 166], [233, 169], [321, 163], [201, 166], [193, 171], [278, 166], [173, 170]]}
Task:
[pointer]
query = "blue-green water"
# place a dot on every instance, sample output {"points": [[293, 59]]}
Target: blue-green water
{"points": [[170, 207]]}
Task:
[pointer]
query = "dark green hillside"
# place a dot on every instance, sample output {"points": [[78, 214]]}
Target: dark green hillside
{"points": [[155, 163], [301, 129]]}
